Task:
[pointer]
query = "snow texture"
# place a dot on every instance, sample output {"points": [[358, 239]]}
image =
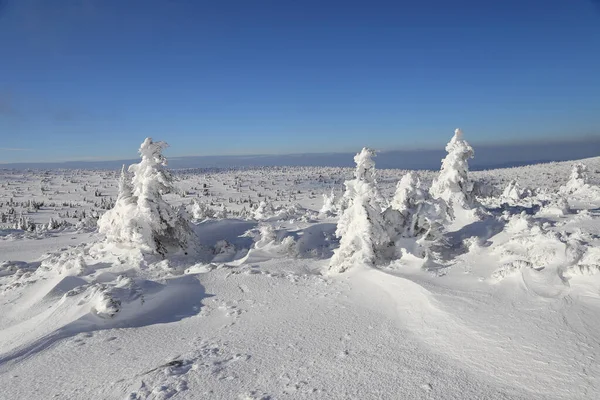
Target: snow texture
{"points": [[502, 306]]}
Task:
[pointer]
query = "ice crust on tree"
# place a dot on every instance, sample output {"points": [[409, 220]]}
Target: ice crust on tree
{"points": [[361, 228], [453, 184], [141, 218]]}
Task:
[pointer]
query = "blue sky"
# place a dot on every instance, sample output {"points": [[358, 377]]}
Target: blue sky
{"points": [[90, 79]]}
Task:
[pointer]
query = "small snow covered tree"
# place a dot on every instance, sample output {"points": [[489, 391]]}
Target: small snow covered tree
{"points": [[52, 224], [329, 207], [413, 213], [24, 223], [141, 217], [361, 228], [264, 211], [119, 224], [244, 213], [222, 212], [578, 179], [513, 191], [453, 184], [201, 210]]}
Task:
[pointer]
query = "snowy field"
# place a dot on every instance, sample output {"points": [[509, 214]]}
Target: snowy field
{"points": [[301, 283]]}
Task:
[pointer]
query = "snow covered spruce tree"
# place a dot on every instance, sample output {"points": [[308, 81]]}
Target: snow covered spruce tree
{"points": [[141, 218], [453, 184], [361, 228], [413, 213]]}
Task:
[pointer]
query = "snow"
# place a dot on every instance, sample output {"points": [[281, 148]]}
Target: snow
{"points": [[503, 304]]}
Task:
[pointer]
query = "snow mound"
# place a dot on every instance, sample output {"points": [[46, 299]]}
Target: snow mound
{"points": [[78, 290]]}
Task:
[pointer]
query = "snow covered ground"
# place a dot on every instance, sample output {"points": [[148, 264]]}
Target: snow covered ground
{"points": [[509, 307]]}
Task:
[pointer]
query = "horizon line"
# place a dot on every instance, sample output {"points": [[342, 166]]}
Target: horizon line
{"points": [[486, 145]]}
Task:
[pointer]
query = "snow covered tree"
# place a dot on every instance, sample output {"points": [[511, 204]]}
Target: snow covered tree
{"points": [[119, 224], [141, 217], [52, 224], [329, 207], [513, 191], [264, 211], [578, 179], [453, 184], [244, 213], [361, 228], [201, 211], [24, 223], [413, 213], [222, 212]]}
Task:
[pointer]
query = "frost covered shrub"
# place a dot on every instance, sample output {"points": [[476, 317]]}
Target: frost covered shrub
{"points": [[54, 224], [88, 224], [558, 206], [24, 223], [484, 189], [275, 242], [295, 212], [264, 211], [222, 212], [453, 184], [244, 213], [414, 213], [266, 235], [513, 191], [201, 211], [141, 217], [361, 228]]}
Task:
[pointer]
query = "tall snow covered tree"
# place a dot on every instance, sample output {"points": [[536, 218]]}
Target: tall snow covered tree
{"points": [[363, 237], [141, 217], [453, 184]]}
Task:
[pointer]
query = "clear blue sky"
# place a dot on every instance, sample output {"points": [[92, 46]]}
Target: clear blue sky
{"points": [[90, 79]]}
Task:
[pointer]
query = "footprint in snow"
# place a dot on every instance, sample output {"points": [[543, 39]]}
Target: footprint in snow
{"points": [[428, 387], [167, 380]]}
